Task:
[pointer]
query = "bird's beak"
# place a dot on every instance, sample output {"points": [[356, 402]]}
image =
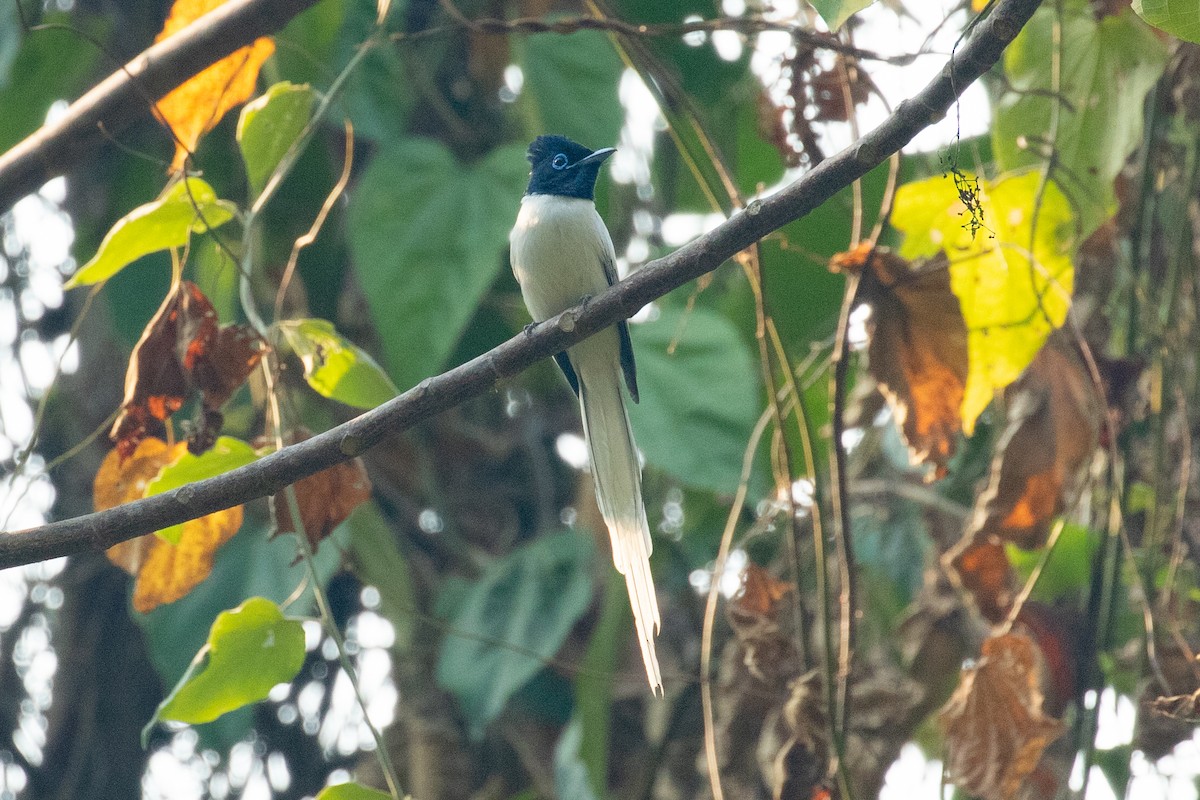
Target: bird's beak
{"points": [[596, 157]]}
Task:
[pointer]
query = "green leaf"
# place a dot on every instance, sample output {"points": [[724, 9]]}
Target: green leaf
{"points": [[428, 234], [513, 618], [1010, 305], [268, 126], [249, 650], [335, 367], [190, 206], [1068, 569], [351, 791], [378, 94], [1180, 18], [836, 12], [570, 773], [248, 565], [51, 64], [571, 87], [594, 684], [378, 561], [1108, 66], [699, 402], [226, 455]]}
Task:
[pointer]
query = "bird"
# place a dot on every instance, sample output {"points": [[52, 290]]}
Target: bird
{"points": [[562, 254]]}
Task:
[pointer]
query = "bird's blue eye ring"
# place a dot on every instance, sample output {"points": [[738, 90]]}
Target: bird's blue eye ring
{"points": [[559, 161]]}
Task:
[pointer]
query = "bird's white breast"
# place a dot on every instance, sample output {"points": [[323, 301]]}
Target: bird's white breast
{"points": [[558, 247]]}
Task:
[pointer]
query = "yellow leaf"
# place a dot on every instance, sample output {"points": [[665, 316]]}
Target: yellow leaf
{"points": [[1010, 302], [195, 107], [165, 572]]}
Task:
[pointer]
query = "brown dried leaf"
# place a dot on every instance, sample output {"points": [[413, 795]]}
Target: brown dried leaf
{"points": [[1183, 707], [155, 382], [762, 622], [760, 594], [326, 499], [181, 350], [918, 350], [983, 569], [165, 572], [1050, 434], [995, 727], [195, 107], [801, 763]]}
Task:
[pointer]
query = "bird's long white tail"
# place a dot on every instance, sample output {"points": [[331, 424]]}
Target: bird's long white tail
{"points": [[618, 480]]}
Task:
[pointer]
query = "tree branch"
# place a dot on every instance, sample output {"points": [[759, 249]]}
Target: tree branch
{"points": [[126, 95], [434, 395]]}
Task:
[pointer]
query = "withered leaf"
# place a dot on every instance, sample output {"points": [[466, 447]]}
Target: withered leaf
{"points": [[325, 499], [983, 569], [760, 594], [761, 620], [995, 727], [165, 572], [801, 764], [195, 107], [1051, 431], [1185, 707], [918, 350], [182, 350]]}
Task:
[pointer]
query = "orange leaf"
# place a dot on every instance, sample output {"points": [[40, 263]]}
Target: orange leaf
{"points": [[1050, 434], [983, 569], [195, 107], [165, 572], [995, 727], [918, 351], [171, 571], [760, 593], [326, 499]]}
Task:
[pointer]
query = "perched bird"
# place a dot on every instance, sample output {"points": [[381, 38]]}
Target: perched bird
{"points": [[562, 254]]}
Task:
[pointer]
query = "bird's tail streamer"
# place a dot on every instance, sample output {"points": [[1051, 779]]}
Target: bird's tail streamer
{"points": [[618, 479]]}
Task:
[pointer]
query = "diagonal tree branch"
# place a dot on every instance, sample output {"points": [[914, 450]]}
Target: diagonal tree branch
{"points": [[434, 395], [125, 96]]}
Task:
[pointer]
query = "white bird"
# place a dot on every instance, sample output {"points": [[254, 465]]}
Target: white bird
{"points": [[562, 253]]}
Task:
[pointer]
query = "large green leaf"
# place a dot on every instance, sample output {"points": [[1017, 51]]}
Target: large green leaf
{"points": [[836, 12], [1179, 18], [428, 234], [249, 650], [699, 400], [1108, 66], [190, 206], [375, 556], [571, 87], [378, 94], [269, 125], [1010, 303], [51, 64], [335, 367], [226, 454], [248, 565], [516, 615]]}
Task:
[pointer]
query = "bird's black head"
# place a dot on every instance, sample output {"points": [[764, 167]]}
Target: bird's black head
{"points": [[565, 168]]}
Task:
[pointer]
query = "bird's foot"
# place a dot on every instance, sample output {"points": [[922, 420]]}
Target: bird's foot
{"points": [[529, 328]]}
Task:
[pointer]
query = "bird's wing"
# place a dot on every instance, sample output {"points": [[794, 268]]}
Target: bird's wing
{"points": [[628, 365]]}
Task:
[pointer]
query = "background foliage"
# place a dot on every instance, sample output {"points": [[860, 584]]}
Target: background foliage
{"points": [[998, 337]]}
